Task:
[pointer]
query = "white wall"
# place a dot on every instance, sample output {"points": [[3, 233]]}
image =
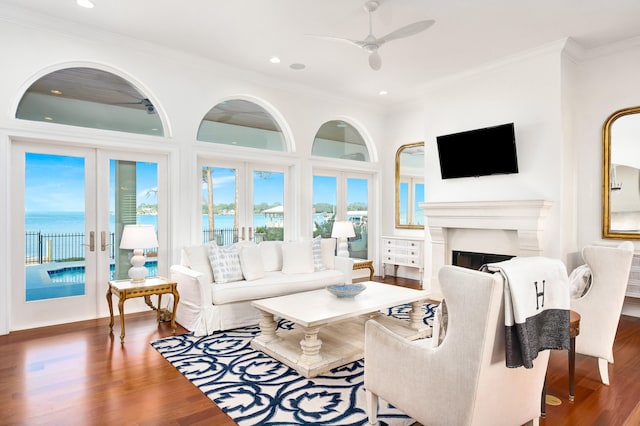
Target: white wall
{"points": [[526, 90], [608, 82], [183, 88]]}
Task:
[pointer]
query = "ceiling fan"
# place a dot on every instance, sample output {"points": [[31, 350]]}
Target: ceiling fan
{"points": [[145, 102], [371, 44]]}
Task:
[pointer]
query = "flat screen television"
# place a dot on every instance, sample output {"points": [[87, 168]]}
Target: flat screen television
{"points": [[480, 152]]}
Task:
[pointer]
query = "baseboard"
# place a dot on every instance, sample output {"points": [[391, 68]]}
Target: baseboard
{"points": [[631, 307]]}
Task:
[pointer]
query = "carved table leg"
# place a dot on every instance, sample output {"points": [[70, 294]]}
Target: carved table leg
{"points": [[176, 299], [110, 304], [267, 328], [159, 311], [121, 309], [310, 347], [416, 316]]}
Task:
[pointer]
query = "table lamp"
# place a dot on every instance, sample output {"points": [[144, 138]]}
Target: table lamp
{"points": [[342, 229], [138, 237]]}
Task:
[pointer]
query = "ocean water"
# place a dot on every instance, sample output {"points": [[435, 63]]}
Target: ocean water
{"points": [[73, 222]]}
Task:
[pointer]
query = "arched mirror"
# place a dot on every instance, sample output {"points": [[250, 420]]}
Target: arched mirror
{"points": [[410, 186], [621, 175]]}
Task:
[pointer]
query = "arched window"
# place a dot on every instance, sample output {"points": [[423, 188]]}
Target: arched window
{"points": [[339, 139], [241, 123], [89, 97]]}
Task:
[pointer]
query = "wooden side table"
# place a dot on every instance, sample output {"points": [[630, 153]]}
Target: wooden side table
{"points": [[125, 289], [364, 264], [574, 331]]}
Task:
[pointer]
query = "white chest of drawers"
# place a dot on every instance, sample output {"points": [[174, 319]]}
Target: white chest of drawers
{"points": [[402, 251]]}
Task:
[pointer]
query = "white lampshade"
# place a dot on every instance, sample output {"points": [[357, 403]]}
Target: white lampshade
{"points": [[342, 229], [138, 237]]}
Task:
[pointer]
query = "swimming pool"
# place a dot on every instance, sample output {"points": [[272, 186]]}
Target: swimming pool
{"points": [[48, 281], [75, 274]]}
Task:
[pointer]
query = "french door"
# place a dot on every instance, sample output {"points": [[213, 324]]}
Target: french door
{"points": [[343, 196], [70, 206], [242, 201]]}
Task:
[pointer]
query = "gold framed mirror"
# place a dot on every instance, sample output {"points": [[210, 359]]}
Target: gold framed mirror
{"points": [[621, 175], [410, 186]]}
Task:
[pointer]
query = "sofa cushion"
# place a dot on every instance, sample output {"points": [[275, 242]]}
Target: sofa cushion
{"points": [[251, 262], [273, 284], [328, 247], [197, 258], [316, 249], [271, 252], [297, 257], [225, 263]]}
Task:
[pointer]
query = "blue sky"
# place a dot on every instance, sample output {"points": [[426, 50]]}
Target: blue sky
{"points": [[55, 183]]}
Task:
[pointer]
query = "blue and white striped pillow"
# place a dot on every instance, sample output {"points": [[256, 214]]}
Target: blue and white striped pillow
{"points": [[316, 249], [225, 263]]}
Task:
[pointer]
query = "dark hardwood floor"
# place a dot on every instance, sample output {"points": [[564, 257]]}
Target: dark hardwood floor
{"points": [[79, 374]]}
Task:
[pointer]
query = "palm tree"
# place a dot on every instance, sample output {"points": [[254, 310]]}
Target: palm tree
{"points": [[207, 178]]}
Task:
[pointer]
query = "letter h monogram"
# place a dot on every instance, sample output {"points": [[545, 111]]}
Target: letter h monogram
{"points": [[539, 294]]}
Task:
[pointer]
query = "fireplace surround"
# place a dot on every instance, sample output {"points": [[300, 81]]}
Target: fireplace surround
{"points": [[513, 228]]}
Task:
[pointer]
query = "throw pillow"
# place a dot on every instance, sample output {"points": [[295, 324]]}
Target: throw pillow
{"points": [[580, 281], [251, 262], [271, 252], [297, 257], [197, 258], [225, 263], [316, 249], [439, 328]]}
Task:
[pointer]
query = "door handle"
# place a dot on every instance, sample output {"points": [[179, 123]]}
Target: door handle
{"points": [[92, 241], [103, 241]]}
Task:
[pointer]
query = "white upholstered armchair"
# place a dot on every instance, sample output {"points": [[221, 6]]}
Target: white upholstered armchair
{"points": [[601, 305], [463, 380]]}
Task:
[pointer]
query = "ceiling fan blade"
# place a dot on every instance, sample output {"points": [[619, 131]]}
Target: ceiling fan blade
{"points": [[344, 40], [407, 31], [375, 61]]}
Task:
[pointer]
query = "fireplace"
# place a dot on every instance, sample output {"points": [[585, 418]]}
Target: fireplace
{"points": [[509, 228], [474, 260]]}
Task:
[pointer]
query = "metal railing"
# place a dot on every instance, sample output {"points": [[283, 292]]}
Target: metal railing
{"points": [[45, 248], [48, 247]]}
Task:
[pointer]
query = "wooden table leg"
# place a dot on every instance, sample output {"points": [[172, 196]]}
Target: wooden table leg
{"points": [[572, 366], [310, 345], [159, 307], [176, 299], [574, 330], [543, 401], [121, 309], [110, 304]]}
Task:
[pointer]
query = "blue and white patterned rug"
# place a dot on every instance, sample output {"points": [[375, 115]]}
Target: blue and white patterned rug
{"points": [[254, 389]]}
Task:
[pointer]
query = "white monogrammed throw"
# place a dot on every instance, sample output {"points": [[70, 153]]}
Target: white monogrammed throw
{"points": [[536, 303]]}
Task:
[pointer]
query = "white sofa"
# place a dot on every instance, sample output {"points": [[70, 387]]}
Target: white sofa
{"points": [[269, 269]]}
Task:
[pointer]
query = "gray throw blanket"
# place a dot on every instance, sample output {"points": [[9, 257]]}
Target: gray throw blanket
{"points": [[536, 303]]}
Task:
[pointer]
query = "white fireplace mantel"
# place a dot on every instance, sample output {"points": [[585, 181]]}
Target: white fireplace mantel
{"points": [[525, 217]]}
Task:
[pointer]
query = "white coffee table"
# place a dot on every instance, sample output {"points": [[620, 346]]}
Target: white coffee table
{"points": [[330, 330]]}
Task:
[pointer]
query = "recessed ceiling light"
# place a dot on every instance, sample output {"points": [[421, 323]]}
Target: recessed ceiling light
{"points": [[297, 66], [382, 92], [56, 92], [85, 3], [274, 60]]}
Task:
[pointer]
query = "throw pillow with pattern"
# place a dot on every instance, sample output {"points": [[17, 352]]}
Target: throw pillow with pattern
{"points": [[225, 263]]}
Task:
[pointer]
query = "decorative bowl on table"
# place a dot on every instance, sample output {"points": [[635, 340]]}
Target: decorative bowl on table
{"points": [[346, 290]]}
